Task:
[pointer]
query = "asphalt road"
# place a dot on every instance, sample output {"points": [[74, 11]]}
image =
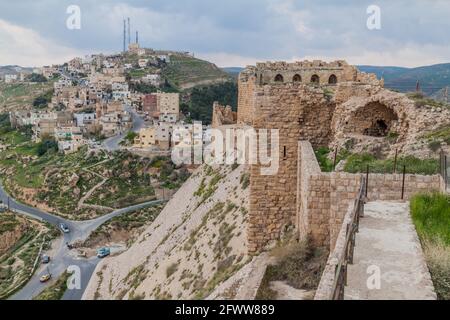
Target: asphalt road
{"points": [[113, 143], [79, 230]]}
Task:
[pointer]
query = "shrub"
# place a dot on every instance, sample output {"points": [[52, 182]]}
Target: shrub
{"points": [[357, 163], [171, 269], [431, 216], [298, 264]]}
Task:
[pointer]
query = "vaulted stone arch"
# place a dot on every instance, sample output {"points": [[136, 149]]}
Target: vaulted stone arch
{"points": [[375, 119]]}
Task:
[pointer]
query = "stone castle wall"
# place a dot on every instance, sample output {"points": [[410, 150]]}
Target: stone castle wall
{"points": [[295, 111], [284, 96], [324, 198]]}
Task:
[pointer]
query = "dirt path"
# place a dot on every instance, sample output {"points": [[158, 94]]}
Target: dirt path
{"points": [[81, 203], [387, 245]]}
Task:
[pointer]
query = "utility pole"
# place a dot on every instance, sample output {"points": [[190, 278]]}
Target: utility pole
{"points": [[124, 35], [129, 31]]}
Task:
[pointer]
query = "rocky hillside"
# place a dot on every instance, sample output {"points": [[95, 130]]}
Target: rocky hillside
{"points": [[11, 230], [196, 243]]}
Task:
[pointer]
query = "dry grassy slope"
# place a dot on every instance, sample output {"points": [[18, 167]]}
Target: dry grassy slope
{"points": [[197, 242]]}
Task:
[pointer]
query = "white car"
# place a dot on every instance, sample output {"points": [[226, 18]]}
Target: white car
{"points": [[64, 227]]}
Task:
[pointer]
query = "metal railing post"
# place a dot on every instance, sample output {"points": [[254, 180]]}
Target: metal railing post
{"points": [[367, 181], [403, 183]]}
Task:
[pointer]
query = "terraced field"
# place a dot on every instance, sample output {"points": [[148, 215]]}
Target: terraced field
{"points": [[186, 72], [19, 95]]}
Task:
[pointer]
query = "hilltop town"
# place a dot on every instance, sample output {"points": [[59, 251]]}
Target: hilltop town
{"points": [[99, 97]]}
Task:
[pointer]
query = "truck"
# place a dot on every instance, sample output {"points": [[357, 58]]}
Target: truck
{"points": [[103, 252]]}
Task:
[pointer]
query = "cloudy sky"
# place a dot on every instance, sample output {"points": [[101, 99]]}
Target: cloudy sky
{"points": [[231, 32]]}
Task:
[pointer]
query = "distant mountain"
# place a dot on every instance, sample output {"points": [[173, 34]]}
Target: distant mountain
{"points": [[14, 70], [431, 78], [233, 71]]}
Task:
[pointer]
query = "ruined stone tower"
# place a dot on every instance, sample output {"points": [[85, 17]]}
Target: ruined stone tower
{"points": [[298, 99]]}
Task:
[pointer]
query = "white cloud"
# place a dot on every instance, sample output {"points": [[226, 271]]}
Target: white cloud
{"points": [[409, 56], [26, 47], [228, 60]]}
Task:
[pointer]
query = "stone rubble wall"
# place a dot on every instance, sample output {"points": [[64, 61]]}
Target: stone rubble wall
{"points": [[388, 187], [222, 115]]}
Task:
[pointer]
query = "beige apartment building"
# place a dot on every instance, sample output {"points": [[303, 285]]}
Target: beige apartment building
{"points": [[169, 106], [146, 138]]}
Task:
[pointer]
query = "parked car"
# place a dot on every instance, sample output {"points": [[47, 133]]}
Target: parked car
{"points": [[64, 227], [45, 277], [103, 252], [45, 259]]}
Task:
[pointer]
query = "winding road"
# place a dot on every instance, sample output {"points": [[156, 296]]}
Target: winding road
{"points": [[79, 230], [113, 143]]}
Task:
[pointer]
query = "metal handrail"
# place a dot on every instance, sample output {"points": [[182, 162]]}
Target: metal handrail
{"points": [[340, 277]]}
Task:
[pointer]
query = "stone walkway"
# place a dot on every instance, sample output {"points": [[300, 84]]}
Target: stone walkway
{"points": [[387, 244]]}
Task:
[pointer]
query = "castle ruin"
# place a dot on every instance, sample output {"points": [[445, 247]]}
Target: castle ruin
{"points": [[324, 104]]}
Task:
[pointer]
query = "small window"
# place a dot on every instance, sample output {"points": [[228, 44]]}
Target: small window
{"points": [[279, 78], [297, 78]]}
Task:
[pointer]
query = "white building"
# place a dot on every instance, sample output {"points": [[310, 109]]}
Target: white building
{"points": [[62, 83], [153, 79], [84, 119], [10, 78], [142, 63]]}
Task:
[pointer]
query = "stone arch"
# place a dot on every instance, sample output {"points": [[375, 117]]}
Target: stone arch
{"points": [[375, 119], [279, 78], [315, 79], [332, 79], [297, 78]]}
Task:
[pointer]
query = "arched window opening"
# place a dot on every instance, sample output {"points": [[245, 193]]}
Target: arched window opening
{"points": [[332, 79], [297, 78], [279, 78], [315, 79]]}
